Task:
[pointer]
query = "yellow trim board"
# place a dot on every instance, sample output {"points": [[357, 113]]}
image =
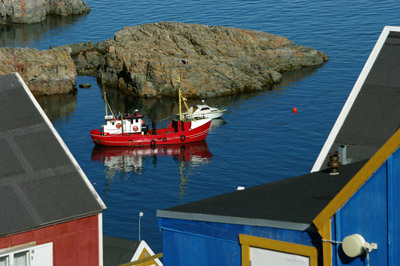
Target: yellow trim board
{"points": [[325, 232], [248, 241], [142, 261], [358, 180]]}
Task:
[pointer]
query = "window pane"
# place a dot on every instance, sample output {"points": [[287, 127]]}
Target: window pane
{"points": [[21, 258], [4, 261]]}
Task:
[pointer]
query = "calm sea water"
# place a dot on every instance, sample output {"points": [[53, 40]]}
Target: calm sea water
{"points": [[260, 139]]}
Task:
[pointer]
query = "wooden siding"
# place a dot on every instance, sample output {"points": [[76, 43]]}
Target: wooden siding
{"points": [[373, 213], [368, 205], [74, 243], [207, 243]]}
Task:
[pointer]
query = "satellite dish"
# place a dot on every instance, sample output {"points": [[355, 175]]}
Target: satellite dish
{"points": [[353, 245]]}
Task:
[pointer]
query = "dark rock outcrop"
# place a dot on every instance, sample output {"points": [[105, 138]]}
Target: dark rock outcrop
{"points": [[46, 72], [28, 11], [212, 61]]}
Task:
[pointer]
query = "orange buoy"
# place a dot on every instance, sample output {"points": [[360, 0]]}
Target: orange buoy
{"points": [[294, 110]]}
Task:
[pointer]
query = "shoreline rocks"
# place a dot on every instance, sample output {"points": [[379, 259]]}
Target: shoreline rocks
{"points": [[46, 72], [22, 11]]}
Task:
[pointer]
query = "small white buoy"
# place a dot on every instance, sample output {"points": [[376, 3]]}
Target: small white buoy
{"points": [[240, 188]]}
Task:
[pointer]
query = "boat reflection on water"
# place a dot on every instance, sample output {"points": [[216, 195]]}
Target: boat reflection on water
{"points": [[130, 159], [123, 161], [216, 123]]}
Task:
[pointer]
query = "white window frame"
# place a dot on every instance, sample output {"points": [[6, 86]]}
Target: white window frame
{"points": [[38, 255]]}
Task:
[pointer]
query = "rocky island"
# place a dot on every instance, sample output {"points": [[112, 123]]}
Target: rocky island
{"points": [[22, 11], [146, 60]]}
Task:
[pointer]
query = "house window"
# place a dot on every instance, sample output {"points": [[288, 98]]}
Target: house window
{"points": [[15, 259], [4, 261], [27, 255], [256, 251], [21, 258]]}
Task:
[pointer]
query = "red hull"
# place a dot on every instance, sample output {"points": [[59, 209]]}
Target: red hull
{"points": [[163, 136]]}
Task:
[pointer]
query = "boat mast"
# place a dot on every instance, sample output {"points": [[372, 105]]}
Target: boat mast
{"points": [[181, 99], [107, 105], [180, 96]]}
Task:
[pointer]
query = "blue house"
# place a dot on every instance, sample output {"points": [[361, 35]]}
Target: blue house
{"points": [[331, 216]]}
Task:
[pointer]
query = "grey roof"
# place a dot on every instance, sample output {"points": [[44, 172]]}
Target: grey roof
{"points": [[40, 181], [290, 203], [118, 251], [371, 114]]}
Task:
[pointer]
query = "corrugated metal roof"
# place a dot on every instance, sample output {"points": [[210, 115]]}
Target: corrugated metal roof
{"points": [[40, 181]]}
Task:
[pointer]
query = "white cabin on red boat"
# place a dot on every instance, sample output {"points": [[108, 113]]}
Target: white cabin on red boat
{"points": [[128, 124]]}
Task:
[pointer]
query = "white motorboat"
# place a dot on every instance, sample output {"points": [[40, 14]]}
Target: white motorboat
{"points": [[201, 111]]}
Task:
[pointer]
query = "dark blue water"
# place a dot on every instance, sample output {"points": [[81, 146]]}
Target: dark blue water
{"points": [[261, 140]]}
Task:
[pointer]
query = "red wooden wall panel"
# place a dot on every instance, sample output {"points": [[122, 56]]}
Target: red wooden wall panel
{"points": [[44, 235], [87, 246], [65, 250], [5, 242], [74, 243]]}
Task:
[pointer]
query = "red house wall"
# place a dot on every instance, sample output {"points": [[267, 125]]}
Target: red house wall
{"points": [[74, 243]]}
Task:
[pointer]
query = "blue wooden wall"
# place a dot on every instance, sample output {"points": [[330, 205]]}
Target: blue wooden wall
{"points": [[188, 242], [373, 212]]}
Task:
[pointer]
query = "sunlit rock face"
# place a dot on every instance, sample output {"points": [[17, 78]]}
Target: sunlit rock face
{"points": [[34, 11], [210, 61], [151, 60], [46, 72]]}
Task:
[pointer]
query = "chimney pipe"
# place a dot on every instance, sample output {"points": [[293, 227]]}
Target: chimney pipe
{"points": [[342, 150]]}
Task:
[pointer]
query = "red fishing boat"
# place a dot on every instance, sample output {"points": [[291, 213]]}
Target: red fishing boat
{"points": [[130, 130]]}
